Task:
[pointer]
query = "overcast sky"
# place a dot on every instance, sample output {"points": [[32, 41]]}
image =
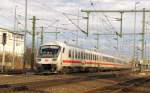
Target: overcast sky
{"points": [[48, 11]]}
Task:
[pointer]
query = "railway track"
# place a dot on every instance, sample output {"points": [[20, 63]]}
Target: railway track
{"points": [[120, 87], [36, 86]]}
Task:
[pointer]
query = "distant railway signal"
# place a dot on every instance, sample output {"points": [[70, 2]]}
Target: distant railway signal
{"points": [[4, 39]]}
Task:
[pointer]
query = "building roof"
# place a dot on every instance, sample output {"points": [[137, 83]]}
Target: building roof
{"points": [[11, 31]]}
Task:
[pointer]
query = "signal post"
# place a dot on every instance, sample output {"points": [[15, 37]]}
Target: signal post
{"points": [[4, 43]]}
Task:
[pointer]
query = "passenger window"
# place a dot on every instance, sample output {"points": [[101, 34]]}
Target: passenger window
{"points": [[73, 54], [69, 53], [82, 55], [86, 56], [97, 57], [76, 55]]}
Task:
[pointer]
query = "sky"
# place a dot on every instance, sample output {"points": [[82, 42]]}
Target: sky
{"points": [[55, 13]]}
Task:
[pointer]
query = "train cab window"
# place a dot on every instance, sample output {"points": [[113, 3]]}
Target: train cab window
{"points": [[51, 51]]}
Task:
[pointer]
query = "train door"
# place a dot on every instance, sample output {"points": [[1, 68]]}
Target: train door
{"points": [[60, 59]]}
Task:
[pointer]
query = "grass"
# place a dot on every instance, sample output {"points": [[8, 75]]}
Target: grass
{"points": [[18, 59]]}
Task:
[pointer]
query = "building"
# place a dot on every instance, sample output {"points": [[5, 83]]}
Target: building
{"points": [[14, 45]]}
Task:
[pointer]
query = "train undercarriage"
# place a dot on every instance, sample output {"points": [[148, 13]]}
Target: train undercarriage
{"points": [[47, 68], [52, 68]]}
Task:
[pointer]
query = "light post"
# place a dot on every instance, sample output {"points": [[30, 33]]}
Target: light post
{"points": [[14, 39], [56, 37], [134, 44], [25, 28]]}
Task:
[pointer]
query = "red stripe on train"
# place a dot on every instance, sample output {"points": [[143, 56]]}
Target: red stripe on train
{"points": [[71, 61], [102, 63], [77, 61]]}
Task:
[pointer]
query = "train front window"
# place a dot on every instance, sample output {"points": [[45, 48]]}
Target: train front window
{"points": [[50, 51]]}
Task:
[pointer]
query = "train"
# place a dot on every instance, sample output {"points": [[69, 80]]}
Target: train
{"points": [[60, 57]]}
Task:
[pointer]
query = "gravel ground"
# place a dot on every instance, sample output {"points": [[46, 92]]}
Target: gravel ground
{"points": [[76, 87], [79, 87], [143, 88], [8, 79], [86, 85], [13, 79]]}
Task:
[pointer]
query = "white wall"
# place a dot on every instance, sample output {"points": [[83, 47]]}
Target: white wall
{"points": [[19, 42]]}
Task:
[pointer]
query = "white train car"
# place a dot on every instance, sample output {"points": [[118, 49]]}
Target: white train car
{"points": [[61, 57]]}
